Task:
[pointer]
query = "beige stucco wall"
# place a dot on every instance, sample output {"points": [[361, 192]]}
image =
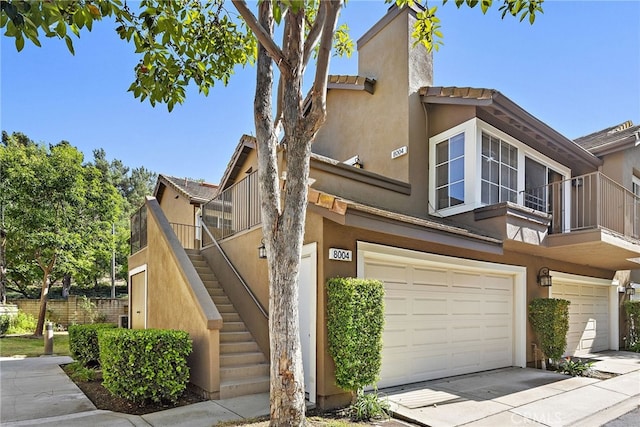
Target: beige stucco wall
{"points": [[621, 166], [373, 125], [171, 305], [177, 210]]}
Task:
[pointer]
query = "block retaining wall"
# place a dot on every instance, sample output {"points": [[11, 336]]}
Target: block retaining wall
{"points": [[71, 311]]}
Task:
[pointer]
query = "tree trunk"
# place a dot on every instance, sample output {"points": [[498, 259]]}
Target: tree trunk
{"points": [[44, 296], [283, 226], [3, 267], [66, 285]]}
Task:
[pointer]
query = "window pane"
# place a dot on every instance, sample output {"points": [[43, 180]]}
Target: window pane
{"points": [[443, 198], [457, 146], [457, 170], [494, 193], [485, 145], [457, 193], [485, 169], [513, 180], [495, 148], [442, 175], [442, 152], [485, 193], [494, 172]]}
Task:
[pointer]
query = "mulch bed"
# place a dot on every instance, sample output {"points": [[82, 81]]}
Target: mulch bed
{"points": [[103, 399]]}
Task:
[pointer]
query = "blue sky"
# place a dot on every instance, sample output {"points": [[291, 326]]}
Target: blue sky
{"points": [[577, 69]]}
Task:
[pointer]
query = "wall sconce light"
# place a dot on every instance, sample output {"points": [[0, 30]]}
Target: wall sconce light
{"points": [[630, 290], [544, 278], [262, 250]]}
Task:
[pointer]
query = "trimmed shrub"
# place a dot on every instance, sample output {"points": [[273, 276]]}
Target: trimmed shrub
{"points": [[550, 320], [355, 320], [632, 308], [5, 321], [83, 342], [145, 364]]}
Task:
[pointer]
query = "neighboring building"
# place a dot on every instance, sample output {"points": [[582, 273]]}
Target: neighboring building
{"points": [[457, 198]]}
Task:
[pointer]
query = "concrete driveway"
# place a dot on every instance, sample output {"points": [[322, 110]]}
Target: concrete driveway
{"points": [[517, 396]]}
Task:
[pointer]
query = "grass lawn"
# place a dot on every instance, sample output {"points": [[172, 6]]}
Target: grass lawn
{"points": [[26, 345]]}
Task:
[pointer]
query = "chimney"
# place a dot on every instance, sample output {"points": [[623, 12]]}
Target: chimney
{"points": [[387, 50]]}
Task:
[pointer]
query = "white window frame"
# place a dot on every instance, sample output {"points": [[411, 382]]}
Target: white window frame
{"points": [[472, 130], [635, 185]]}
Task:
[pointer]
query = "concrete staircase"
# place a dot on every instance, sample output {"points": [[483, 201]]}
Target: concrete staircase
{"points": [[243, 368]]}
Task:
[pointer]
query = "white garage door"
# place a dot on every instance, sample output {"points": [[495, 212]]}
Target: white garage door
{"points": [[588, 316], [441, 320]]}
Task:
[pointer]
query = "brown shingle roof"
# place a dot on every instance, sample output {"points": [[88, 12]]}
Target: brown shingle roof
{"points": [[611, 139], [351, 83], [472, 93], [196, 191]]}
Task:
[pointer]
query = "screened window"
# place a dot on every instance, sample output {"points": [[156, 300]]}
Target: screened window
{"points": [[450, 172], [499, 171]]}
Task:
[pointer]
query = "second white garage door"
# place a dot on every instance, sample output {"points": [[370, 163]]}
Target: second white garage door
{"points": [[441, 319], [588, 315]]}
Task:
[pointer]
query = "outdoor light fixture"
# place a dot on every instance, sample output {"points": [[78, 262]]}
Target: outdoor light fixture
{"points": [[630, 290], [544, 278], [262, 250]]}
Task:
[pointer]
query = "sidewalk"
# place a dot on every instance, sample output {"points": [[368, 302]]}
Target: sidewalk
{"points": [[36, 391]]}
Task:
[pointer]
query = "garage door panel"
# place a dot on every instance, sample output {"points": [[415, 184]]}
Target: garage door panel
{"points": [[588, 316], [465, 307], [430, 336], [499, 307], [467, 281], [466, 335], [394, 338], [430, 306], [429, 276], [388, 273], [501, 284]]}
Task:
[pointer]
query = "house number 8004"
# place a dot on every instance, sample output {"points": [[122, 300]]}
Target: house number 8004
{"points": [[339, 254]]}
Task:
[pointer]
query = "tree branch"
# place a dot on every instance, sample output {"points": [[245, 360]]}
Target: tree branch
{"points": [[319, 89], [263, 36], [314, 35]]}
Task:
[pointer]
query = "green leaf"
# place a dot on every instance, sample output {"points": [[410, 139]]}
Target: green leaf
{"points": [[19, 43], [69, 43], [61, 29]]}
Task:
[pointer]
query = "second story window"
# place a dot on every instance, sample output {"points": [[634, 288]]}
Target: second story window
{"points": [[450, 172], [475, 164], [499, 171]]}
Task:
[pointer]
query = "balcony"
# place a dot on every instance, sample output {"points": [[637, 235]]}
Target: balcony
{"points": [[593, 221], [235, 209]]}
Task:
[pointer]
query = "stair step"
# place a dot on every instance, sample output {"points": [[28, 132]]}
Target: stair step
{"points": [[239, 359], [233, 326], [220, 299], [230, 317], [244, 387], [226, 308], [208, 277], [216, 292], [199, 263], [227, 348], [232, 373], [235, 336]]}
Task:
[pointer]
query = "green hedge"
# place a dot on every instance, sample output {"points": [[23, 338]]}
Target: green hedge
{"points": [[632, 308], [83, 342], [355, 311], [141, 365], [550, 320]]}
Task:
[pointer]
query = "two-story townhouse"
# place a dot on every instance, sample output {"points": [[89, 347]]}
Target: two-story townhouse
{"points": [[462, 202]]}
